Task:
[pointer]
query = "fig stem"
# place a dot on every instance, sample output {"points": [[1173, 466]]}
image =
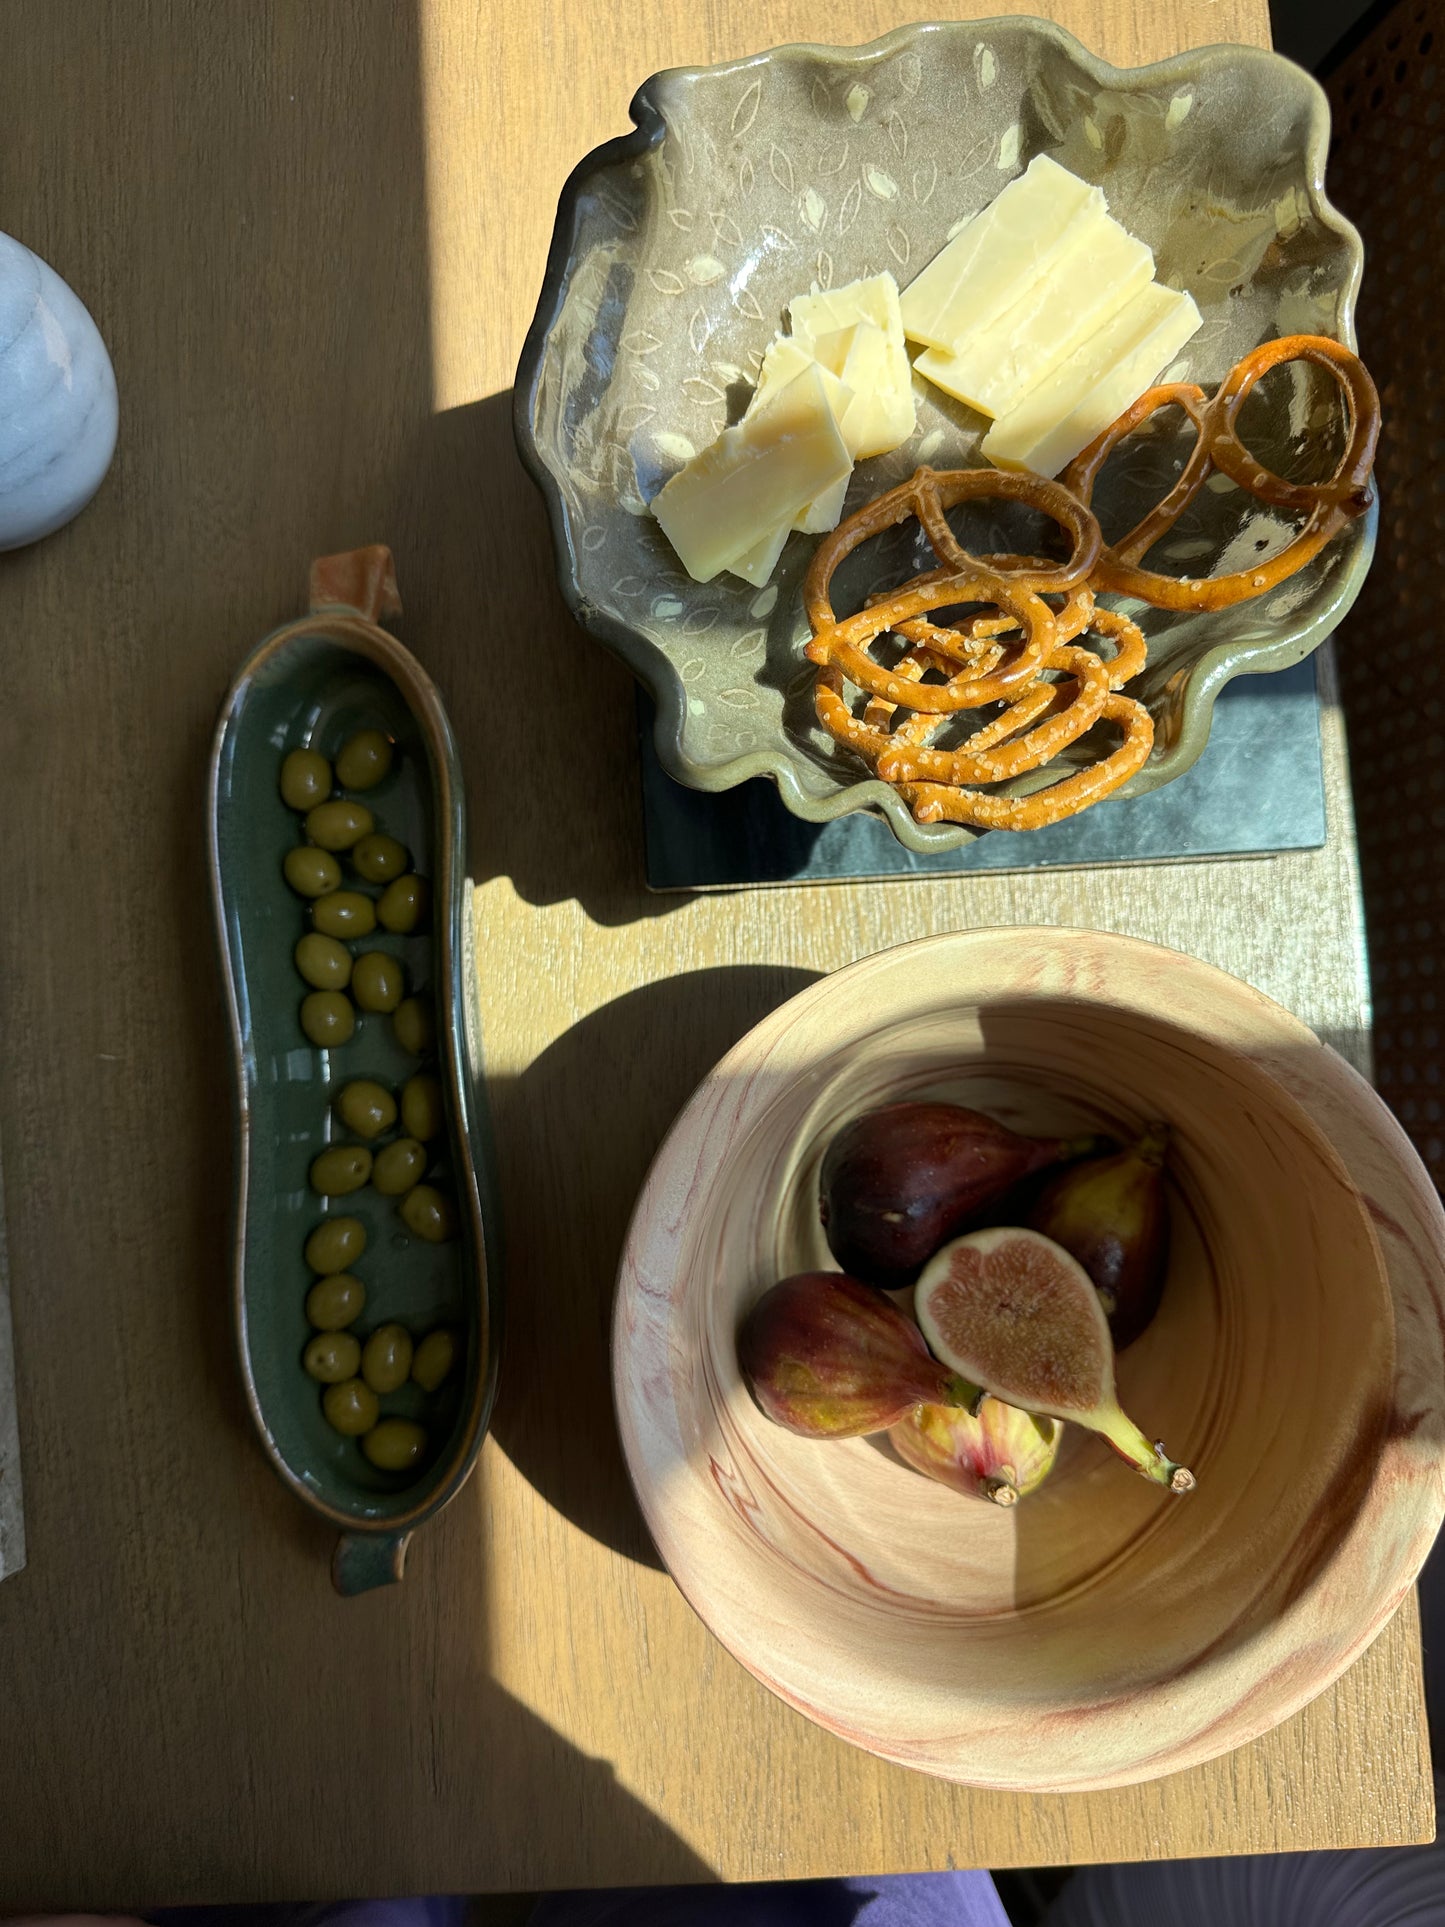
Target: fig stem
{"points": [[1152, 1460], [1000, 1491], [962, 1392]]}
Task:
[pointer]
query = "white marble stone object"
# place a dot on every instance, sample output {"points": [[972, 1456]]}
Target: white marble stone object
{"points": [[57, 399]]}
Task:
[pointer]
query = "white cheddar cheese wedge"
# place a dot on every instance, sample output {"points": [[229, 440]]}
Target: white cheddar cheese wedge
{"points": [[825, 511], [754, 478], [1095, 384], [854, 336], [874, 300], [815, 317], [784, 361], [994, 261], [881, 414], [1098, 268], [756, 565]]}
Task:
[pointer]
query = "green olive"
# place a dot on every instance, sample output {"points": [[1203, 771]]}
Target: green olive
{"points": [[379, 858], [404, 903], [338, 824], [332, 1356], [344, 913], [327, 1018], [334, 1303], [305, 779], [395, 1445], [429, 1214], [386, 1361], [364, 760], [421, 1106], [311, 872], [366, 1107], [350, 1407], [340, 1169], [398, 1166], [415, 1026], [323, 962], [335, 1245], [433, 1359], [377, 981]]}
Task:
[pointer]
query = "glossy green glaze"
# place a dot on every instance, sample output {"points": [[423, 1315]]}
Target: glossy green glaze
{"points": [[362, 1561], [315, 684], [678, 247]]}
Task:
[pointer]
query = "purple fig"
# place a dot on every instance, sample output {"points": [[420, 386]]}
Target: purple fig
{"points": [[899, 1182], [831, 1358], [1002, 1455], [1112, 1214], [1013, 1312]]}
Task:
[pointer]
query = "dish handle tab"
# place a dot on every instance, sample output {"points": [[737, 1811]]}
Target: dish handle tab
{"points": [[359, 579], [364, 1559]]}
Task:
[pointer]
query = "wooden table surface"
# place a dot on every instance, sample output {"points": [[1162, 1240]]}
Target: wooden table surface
{"points": [[313, 237]]}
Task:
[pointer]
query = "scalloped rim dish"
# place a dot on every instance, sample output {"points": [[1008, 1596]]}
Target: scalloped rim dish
{"points": [[1297, 638]]}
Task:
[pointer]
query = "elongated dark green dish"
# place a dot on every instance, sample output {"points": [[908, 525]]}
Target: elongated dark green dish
{"points": [[313, 684]]}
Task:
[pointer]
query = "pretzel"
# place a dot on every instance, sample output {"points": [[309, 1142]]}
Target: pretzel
{"points": [[1327, 505], [1131, 651], [1026, 622], [844, 643], [1072, 619], [1004, 753], [979, 636], [944, 803], [1009, 657], [998, 751], [925, 497]]}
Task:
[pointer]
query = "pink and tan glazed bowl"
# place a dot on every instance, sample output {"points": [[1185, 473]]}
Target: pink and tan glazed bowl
{"points": [[1102, 1631]]}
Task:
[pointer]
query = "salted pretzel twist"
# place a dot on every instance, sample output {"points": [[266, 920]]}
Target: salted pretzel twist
{"points": [[1327, 506], [1005, 645]]}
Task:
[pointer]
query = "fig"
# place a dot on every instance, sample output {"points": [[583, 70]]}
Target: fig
{"points": [[1112, 1214], [1013, 1312], [1002, 1455], [897, 1182], [831, 1358]]}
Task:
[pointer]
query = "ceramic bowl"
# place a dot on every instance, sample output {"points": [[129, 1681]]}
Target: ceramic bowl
{"points": [[678, 247], [312, 684], [1102, 1631]]}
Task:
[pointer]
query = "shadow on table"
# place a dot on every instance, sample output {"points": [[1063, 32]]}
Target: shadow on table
{"points": [[525, 685], [575, 1135]]}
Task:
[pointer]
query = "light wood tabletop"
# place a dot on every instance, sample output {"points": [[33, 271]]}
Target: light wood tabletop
{"points": [[313, 237]]}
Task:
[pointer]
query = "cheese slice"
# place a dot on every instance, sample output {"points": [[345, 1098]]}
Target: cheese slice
{"points": [[875, 300], [1095, 384], [881, 413], [784, 361], [825, 511], [754, 478], [756, 564], [816, 317], [854, 336], [994, 261], [1096, 270]]}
